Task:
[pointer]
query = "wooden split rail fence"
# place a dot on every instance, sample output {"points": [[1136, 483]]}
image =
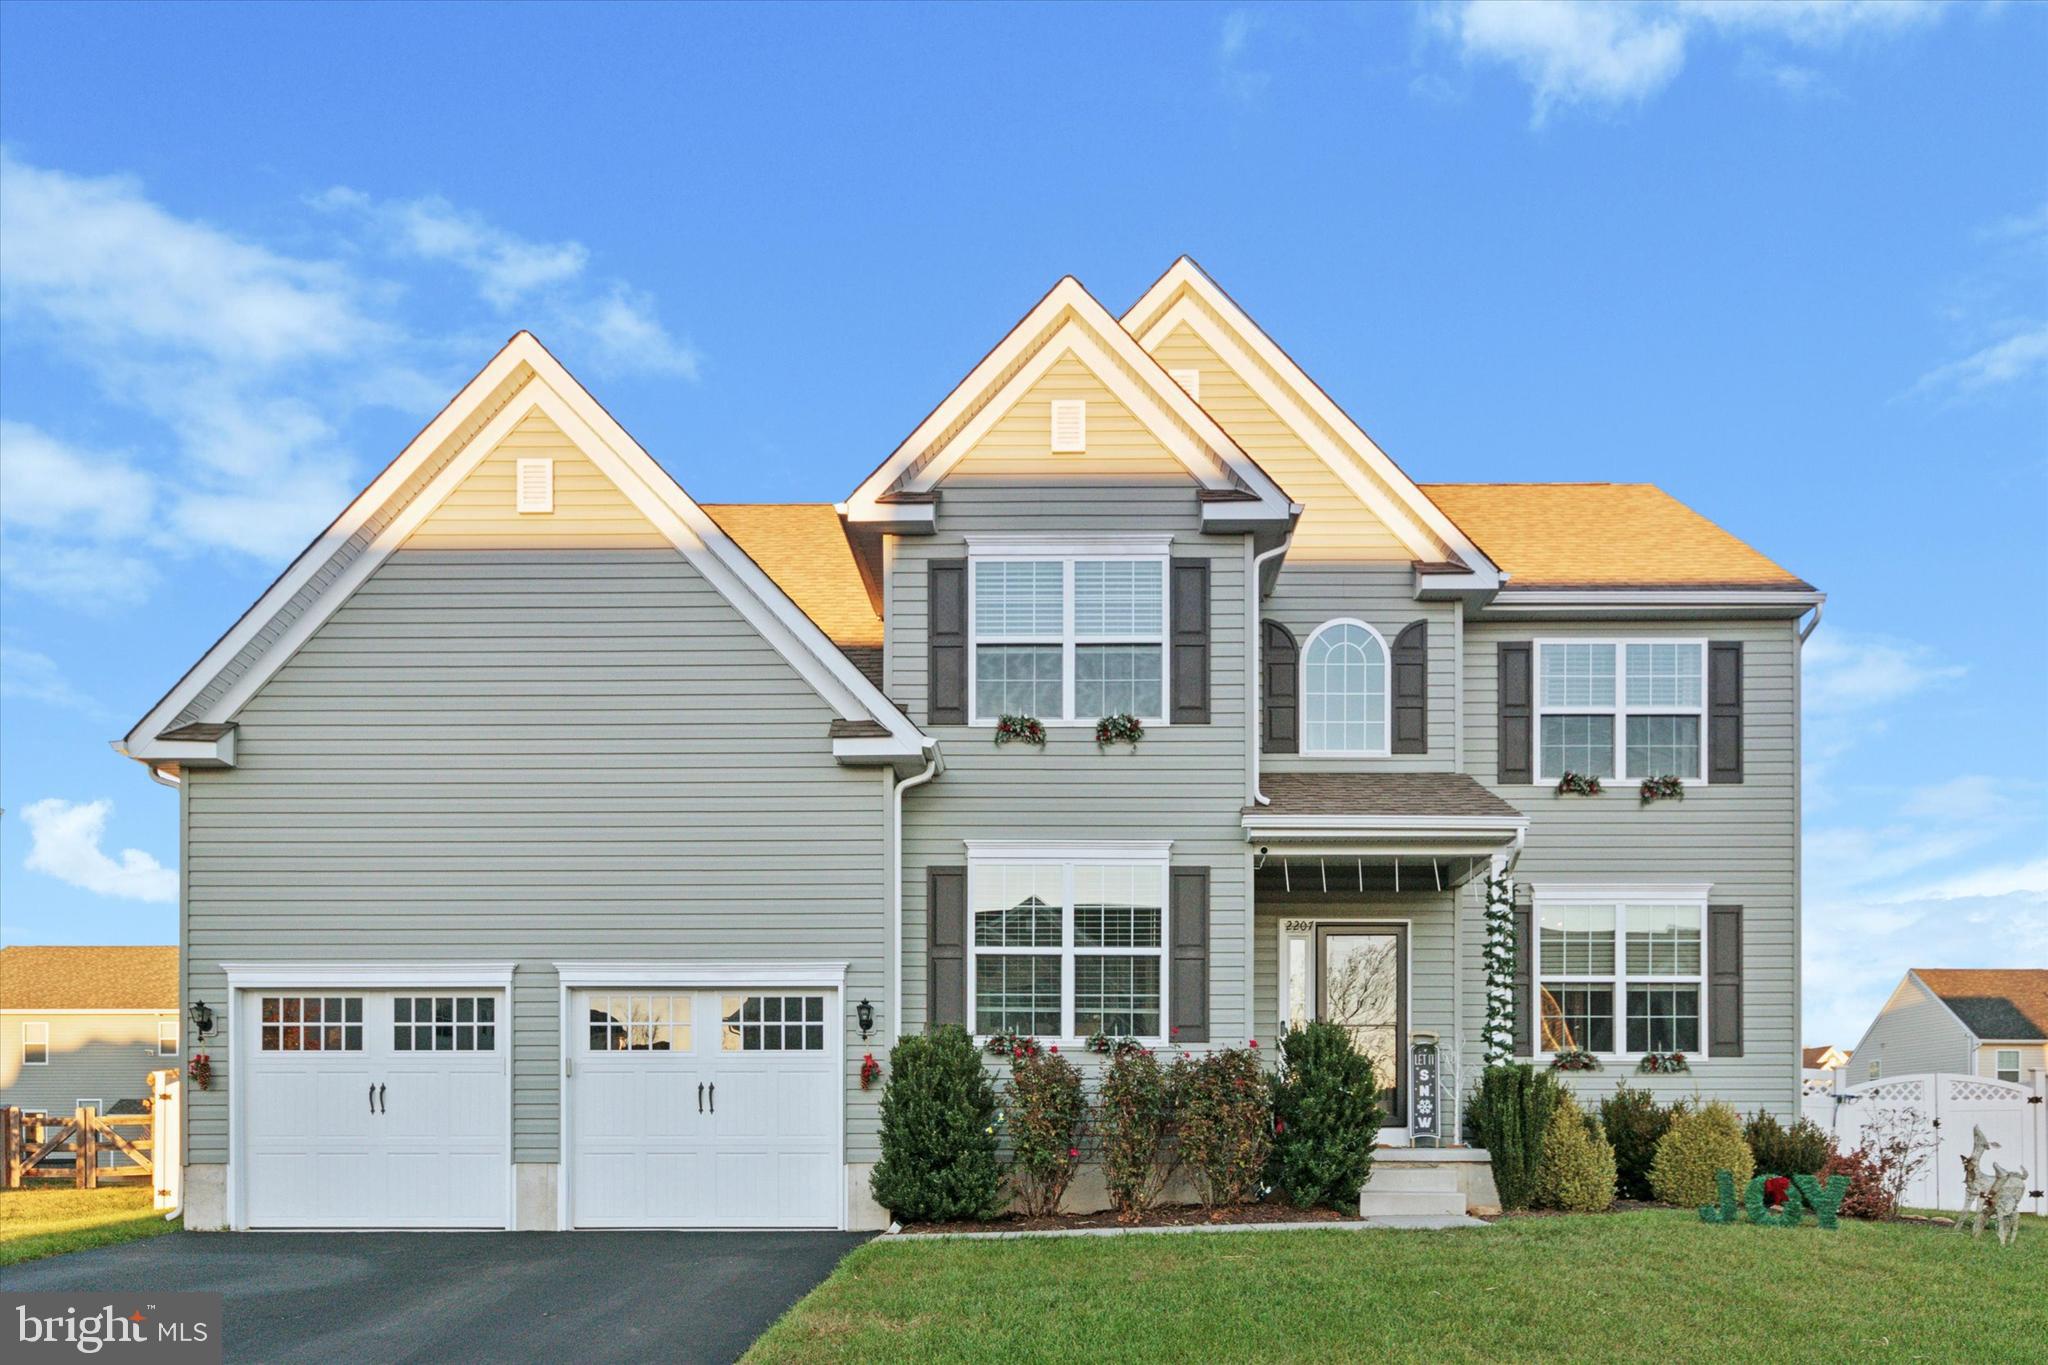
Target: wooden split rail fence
{"points": [[83, 1147]]}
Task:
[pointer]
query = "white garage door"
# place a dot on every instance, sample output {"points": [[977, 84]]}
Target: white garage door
{"points": [[375, 1108], [705, 1108]]}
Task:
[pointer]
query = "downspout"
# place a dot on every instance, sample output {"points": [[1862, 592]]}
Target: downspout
{"points": [[1813, 625], [1251, 592], [931, 770]]}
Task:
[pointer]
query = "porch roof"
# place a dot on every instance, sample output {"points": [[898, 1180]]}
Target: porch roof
{"points": [[1421, 798], [1378, 820]]}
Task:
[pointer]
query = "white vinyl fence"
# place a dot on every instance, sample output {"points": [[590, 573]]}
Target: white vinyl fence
{"points": [[167, 1130], [1945, 1107]]}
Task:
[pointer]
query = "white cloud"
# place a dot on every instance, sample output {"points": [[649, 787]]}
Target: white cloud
{"points": [[27, 675], [506, 267], [1577, 52], [2019, 358], [47, 485], [1843, 672], [1240, 82], [65, 843], [627, 336]]}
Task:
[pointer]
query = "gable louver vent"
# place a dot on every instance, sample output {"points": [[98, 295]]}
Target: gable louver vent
{"points": [[1191, 380], [536, 486], [1069, 425]]}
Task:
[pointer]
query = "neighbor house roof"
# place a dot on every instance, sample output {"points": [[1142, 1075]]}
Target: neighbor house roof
{"points": [[1995, 1003], [89, 978], [1452, 794], [1585, 535], [1819, 1056], [802, 546]]}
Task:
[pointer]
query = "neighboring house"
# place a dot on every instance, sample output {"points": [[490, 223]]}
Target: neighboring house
{"points": [[1817, 1066], [1990, 1021], [83, 1025], [548, 835]]}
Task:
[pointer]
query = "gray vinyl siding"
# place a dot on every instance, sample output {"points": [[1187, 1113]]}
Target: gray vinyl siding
{"points": [[1431, 945], [1383, 596], [1185, 783], [534, 756], [107, 1057], [1741, 838], [1912, 1034]]}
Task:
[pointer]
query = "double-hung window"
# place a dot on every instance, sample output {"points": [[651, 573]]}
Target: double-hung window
{"points": [[1621, 708], [1621, 976], [2007, 1064], [1068, 944], [166, 1037], [35, 1044], [1069, 637]]}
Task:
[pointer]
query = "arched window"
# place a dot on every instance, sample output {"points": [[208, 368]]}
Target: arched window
{"points": [[1344, 690]]}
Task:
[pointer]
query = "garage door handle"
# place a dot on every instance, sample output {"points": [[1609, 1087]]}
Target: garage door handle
{"points": [[373, 1097], [714, 1097], [700, 1097], [380, 1101]]}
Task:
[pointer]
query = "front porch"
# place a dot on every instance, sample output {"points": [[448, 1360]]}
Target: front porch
{"points": [[1364, 886]]}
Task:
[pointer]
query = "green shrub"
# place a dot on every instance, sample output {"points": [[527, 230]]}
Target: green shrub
{"points": [[1870, 1183], [1634, 1120], [1576, 1172], [1134, 1122], [1045, 1110], [938, 1131], [1223, 1117], [1801, 1149], [1509, 1116], [1326, 1117], [1699, 1143]]}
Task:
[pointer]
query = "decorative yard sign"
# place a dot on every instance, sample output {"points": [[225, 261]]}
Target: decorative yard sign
{"points": [[1794, 1196], [1423, 1127]]}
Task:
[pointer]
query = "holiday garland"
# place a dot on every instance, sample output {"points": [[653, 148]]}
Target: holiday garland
{"points": [[1029, 729], [1573, 1059], [1577, 784], [1666, 788], [1122, 728], [1500, 970]]}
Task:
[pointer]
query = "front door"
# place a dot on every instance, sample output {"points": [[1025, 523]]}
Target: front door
{"points": [[1363, 985]]}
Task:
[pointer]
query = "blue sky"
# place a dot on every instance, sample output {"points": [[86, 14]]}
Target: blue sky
{"points": [[1788, 261]]}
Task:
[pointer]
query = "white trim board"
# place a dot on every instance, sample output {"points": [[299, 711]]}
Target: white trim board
{"points": [[1301, 403], [575, 975], [552, 391], [1067, 320], [245, 976]]}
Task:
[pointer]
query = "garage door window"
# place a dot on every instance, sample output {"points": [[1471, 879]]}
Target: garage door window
{"points": [[774, 1023], [444, 1023], [312, 1023], [640, 1023]]}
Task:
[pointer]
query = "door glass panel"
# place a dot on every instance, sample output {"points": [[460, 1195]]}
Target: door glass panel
{"points": [[311, 1024], [772, 1023], [628, 1022], [1361, 989]]}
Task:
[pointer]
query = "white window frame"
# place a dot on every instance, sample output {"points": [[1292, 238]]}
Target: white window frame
{"points": [[1999, 1068], [1386, 707], [167, 1031], [1067, 553], [1619, 899], [1620, 710], [981, 857], [27, 1042]]}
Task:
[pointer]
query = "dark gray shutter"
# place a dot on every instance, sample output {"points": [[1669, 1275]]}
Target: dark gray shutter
{"points": [[1278, 699], [1724, 980], [1525, 981], [946, 636], [1724, 711], [1190, 675], [945, 939], [1411, 690], [1189, 1016], [1515, 686]]}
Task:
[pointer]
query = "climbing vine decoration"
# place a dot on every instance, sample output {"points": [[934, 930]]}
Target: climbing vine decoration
{"points": [[1500, 970]]}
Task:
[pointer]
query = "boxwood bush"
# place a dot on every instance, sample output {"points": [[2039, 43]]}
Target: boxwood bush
{"points": [[1509, 1116], [1326, 1117], [1699, 1143], [1576, 1172], [1634, 1121], [938, 1132], [1801, 1149]]}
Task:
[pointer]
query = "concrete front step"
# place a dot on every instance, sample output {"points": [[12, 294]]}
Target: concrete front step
{"points": [[1410, 1203], [1405, 1177]]}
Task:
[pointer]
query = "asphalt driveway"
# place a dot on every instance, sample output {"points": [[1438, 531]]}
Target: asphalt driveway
{"points": [[441, 1296]]}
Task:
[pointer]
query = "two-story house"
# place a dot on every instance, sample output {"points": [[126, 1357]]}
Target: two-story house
{"points": [[556, 848]]}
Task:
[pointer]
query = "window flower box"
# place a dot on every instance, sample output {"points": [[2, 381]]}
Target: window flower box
{"points": [[1025, 729], [1574, 1059], [1124, 728], [1663, 1063], [1578, 784], [1669, 787]]}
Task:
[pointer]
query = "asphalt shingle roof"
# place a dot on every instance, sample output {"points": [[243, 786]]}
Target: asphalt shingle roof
{"points": [[2009, 1004], [1452, 794], [89, 978]]}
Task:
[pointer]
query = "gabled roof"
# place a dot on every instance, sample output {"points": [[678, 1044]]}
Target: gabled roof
{"points": [[522, 378], [1067, 320], [1582, 535], [143, 977], [1998, 1004], [1186, 295]]}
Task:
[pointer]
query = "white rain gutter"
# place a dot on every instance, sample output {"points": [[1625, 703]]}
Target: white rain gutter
{"points": [[1814, 624], [931, 770], [1256, 728]]}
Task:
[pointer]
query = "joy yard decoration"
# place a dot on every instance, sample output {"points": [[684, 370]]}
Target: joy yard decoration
{"points": [[1794, 1197], [1123, 728], [1027, 729]]}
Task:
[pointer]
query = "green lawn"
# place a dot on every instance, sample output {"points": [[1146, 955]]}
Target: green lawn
{"points": [[1632, 1286], [53, 1220]]}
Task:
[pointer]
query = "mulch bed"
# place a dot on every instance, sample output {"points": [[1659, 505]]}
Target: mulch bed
{"points": [[1165, 1216]]}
